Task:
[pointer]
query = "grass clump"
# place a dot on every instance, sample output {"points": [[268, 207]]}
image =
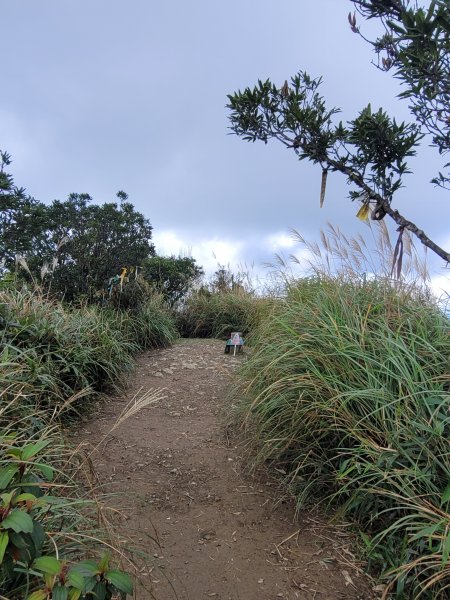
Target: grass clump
{"points": [[348, 390], [215, 314], [53, 352], [150, 325]]}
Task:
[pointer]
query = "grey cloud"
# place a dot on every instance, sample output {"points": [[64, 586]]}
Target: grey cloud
{"points": [[108, 95]]}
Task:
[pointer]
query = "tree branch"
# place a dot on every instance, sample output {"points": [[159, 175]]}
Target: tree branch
{"points": [[394, 214]]}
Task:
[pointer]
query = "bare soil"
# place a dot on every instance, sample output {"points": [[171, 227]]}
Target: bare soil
{"points": [[206, 528]]}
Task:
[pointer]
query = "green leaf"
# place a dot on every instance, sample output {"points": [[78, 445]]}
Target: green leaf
{"points": [[38, 536], [50, 580], [87, 568], [60, 593], [6, 498], [427, 532], [32, 449], [31, 483], [446, 550], [18, 520], [38, 595], [99, 591], [76, 579], [14, 452], [48, 564], [24, 497], [104, 563], [446, 494], [4, 539], [89, 584], [74, 594], [46, 470], [120, 580], [6, 475], [18, 540]]}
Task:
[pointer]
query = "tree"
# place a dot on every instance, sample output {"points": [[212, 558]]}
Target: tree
{"points": [[172, 276], [224, 281], [98, 241], [80, 243], [21, 218], [415, 45], [371, 150]]}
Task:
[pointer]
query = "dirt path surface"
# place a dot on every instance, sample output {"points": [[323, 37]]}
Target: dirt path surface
{"points": [[209, 530]]}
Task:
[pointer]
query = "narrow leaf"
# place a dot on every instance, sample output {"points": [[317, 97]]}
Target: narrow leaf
{"points": [[31, 450], [104, 563], [446, 494], [46, 470], [323, 186], [38, 595], [4, 539], [446, 550]]}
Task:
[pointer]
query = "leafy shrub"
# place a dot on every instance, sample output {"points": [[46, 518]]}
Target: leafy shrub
{"points": [[132, 296], [39, 514], [348, 389]]}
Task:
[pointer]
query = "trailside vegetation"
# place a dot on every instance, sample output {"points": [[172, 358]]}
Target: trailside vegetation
{"points": [[172, 276], [55, 359], [347, 391], [54, 362], [226, 303]]}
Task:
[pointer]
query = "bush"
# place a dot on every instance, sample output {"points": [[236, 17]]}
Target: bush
{"points": [[62, 351], [207, 314], [348, 390], [42, 508]]}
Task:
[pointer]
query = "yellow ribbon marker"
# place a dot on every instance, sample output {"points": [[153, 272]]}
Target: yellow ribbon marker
{"points": [[122, 277], [363, 212]]}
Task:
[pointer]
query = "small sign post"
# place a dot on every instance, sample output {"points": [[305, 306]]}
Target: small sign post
{"points": [[235, 341]]}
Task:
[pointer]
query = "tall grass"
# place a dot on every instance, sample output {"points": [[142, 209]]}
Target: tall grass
{"points": [[358, 257], [150, 325], [55, 352], [216, 314], [53, 361], [347, 390]]}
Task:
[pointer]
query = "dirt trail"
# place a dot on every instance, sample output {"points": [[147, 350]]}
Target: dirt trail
{"points": [[210, 531]]}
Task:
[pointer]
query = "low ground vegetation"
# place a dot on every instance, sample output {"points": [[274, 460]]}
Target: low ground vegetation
{"points": [[216, 314], [347, 392], [54, 362]]}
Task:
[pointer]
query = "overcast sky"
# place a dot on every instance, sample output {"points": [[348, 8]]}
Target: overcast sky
{"points": [[102, 95]]}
